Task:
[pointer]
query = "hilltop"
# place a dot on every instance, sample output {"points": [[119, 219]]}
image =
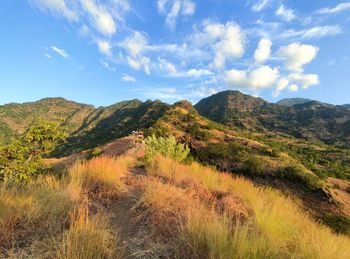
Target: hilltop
{"points": [[312, 120]]}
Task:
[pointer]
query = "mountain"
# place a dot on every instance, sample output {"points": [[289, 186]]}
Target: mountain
{"points": [[346, 105], [87, 126], [293, 101], [312, 120]]}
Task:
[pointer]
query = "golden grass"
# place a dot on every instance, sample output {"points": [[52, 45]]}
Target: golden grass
{"points": [[276, 228], [88, 238], [102, 175], [47, 213]]}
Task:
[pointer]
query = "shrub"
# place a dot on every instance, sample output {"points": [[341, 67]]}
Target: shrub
{"points": [[94, 153], [297, 174], [340, 224], [254, 166], [167, 147], [21, 160]]}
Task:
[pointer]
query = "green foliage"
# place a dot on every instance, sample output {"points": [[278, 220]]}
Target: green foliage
{"points": [[167, 147], [94, 152], [297, 174], [22, 159], [340, 224], [254, 165], [231, 151]]}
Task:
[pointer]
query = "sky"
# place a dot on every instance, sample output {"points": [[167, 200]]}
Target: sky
{"points": [[104, 51]]}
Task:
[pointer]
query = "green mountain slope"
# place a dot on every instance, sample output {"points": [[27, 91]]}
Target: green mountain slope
{"points": [[311, 120], [87, 126], [293, 101]]}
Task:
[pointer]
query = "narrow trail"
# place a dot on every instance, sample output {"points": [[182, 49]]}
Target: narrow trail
{"points": [[135, 235]]}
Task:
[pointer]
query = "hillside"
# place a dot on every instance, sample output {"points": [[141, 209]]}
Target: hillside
{"points": [[139, 205], [313, 121], [87, 126], [293, 101]]}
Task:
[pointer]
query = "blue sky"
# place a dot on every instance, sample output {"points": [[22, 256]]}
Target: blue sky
{"points": [[101, 52]]}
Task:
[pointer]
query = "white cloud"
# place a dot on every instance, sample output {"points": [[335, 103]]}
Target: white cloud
{"points": [[260, 5], [313, 33], [258, 79], [296, 55], [167, 67], [305, 80], [293, 88], [135, 44], [230, 43], [285, 13], [140, 62], [321, 31], [263, 51], [281, 84], [104, 47], [60, 52], [198, 72], [339, 8], [56, 7], [100, 17], [172, 9], [204, 91], [127, 78]]}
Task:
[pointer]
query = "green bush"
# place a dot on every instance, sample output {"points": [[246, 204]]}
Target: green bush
{"points": [[22, 158], [254, 166], [167, 147], [297, 174], [338, 223]]}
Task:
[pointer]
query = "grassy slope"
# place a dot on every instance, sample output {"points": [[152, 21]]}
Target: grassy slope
{"points": [[295, 166], [195, 211]]}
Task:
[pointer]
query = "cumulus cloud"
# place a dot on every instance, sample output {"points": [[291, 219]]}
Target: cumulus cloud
{"points": [[296, 55], [258, 79], [339, 8], [60, 52], [230, 45], [104, 47], [127, 78], [285, 13], [263, 51], [172, 9], [199, 72], [293, 88], [260, 5], [56, 7], [304, 80], [281, 84]]}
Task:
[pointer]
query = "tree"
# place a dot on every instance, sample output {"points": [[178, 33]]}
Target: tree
{"points": [[22, 159]]}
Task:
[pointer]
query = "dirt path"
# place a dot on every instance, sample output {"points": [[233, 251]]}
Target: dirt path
{"points": [[133, 233]]}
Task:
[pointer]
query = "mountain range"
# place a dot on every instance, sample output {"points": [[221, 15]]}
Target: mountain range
{"points": [[299, 146]]}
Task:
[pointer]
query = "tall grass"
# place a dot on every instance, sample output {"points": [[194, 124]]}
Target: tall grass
{"points": [[276, 228], [102, 175], [49, 212], [88, 238]]}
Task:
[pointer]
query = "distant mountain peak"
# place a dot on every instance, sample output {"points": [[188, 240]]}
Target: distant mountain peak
{"points": [[293, 101]]}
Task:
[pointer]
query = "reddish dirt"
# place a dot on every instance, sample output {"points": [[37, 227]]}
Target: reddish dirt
{"points": [[340, 192]]}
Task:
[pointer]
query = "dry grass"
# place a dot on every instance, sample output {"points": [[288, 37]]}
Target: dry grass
{"points": [[276, 228], [88, 238], [101, 175], [47, 213]]}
